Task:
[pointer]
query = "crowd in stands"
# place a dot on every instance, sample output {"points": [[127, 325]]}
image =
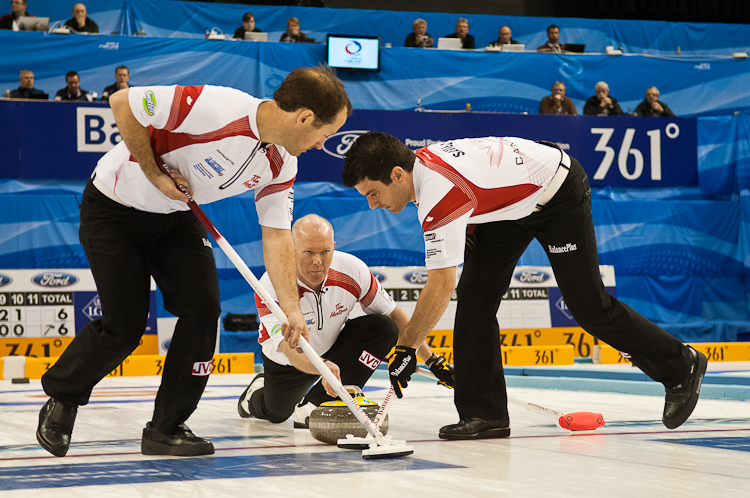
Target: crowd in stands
{"points": [[600, 104]]}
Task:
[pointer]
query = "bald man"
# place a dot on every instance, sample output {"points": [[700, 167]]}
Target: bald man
{"points": [[504, 35], [330, 284], [80, 23]]}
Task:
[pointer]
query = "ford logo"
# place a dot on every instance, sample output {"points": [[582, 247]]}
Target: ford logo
{"points": [[54, 279], [5, 280], [337, 145], [532, 276], [416, 277], [380, 276]]}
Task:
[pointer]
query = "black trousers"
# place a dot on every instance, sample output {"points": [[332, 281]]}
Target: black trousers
{"points": [[125, 247], [284, 386], [479, 380]]}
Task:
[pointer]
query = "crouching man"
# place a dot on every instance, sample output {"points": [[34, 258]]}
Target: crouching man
{"points": [[330, 284]]}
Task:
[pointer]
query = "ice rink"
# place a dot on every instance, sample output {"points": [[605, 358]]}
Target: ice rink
{"points": [[633, 455]]}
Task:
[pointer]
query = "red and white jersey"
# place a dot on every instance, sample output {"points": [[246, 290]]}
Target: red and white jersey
{"points": [[476, 181], [348, 281], [210, 135]]}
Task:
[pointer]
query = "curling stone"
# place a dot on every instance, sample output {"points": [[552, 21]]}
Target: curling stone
{"points": [[333, 420]]}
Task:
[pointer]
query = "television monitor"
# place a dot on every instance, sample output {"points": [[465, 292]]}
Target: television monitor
{"points": [[449, 43], [28, 23], [256, 36], [577, 48], [356, 53]]}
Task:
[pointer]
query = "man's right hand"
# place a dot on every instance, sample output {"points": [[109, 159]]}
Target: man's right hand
{"points": [[294, 328], [166, 185]]}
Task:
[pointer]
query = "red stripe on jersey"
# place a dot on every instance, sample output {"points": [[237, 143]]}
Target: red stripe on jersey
{"points": [[263, 310], [454, 205], [274, 160], [370, 296], [339, 279], [182, 103], [164, 141], [483, 200], [272, 189]]}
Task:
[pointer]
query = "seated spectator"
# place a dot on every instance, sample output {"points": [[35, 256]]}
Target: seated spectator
{"points": [[462, 32], [81, 22], [652, 107], [504, 38], [73, 91], [293, 34], [557, 103], [18, 9], [419, 37], [122, 76], [248, 25], [602, 104], [27, 90], [553, 44]]}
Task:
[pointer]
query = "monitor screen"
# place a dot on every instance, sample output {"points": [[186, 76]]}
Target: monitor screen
{"points": [[354, 52]]}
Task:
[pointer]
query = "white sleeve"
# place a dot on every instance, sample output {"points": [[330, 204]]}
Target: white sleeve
{"points": [[269, 325], [151, 105], [274, 202], [444, 247]]}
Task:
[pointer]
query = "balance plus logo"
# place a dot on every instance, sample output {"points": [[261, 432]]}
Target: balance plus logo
{"points": [[202, 368], [368, 360]]}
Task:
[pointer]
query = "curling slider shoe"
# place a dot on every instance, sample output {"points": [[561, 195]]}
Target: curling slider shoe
{"points": [[394, 449]]}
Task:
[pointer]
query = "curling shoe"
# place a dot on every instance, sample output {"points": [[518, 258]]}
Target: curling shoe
{"points": [[681, 399], [56, 420], [302, 414], [243, 404], [182, 443], [476, 428]]}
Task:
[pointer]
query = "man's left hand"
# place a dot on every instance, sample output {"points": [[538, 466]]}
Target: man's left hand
{"points": [[441, 369], [403, 363]]}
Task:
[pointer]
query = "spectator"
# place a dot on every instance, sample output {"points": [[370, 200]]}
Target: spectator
{"points": [[293, 34], [81, 22], [652, 107], [504, 38], [602, 104], [420, 37], [557, 103], [122, 76], [18, 9], [462, 32], [73, 90], [553, 44], [248, 25], [27, 90]]}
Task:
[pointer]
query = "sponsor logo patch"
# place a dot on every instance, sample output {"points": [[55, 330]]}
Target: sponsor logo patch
{"points": [[252, 182], [149, 102], [215, 165], [202, 170], [532, 276], [340, 309], [566, 248], [54, 279], [369, 360], [337, 145], [202, 368], [416, 277]]}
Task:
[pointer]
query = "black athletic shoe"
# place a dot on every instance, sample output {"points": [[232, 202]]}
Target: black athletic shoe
{"points": [[681, 399], [476, 428], [56, 420], [243, 404], [182, 443]]}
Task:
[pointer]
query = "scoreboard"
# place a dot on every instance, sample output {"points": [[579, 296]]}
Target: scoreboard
{"points": [[52, 303], [533, 300]]}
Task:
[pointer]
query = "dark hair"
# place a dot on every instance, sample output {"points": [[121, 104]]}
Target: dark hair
{"points": [[314, 88], [373, 156], [70, 74], [247, 16], [122, 67], [551, 26]]}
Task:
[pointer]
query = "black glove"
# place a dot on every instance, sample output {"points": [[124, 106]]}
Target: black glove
{"points": [[441, 369], [403, 363]]}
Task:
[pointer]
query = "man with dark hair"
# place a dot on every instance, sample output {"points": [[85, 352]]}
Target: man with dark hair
{"points": [[553, 44], [122, 78], [481, 202], [462, 32], [81, 23], [26, 89], [331, 283], [248, 26], [218, 142], [18, 9], [73, 90]]}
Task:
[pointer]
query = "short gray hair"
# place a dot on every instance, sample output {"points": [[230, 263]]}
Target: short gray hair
{"points": [[418, 21], [601, 85]]}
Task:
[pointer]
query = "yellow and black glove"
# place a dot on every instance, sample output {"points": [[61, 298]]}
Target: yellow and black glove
{"points": [[441, 369], [402, 364]]}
